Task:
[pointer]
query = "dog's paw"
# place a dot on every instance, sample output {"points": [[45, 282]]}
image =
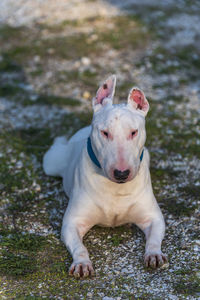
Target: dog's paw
{"points": [[155, 260], [81, 269]]}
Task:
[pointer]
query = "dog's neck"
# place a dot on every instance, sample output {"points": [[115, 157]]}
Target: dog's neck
{"points": [[93, 156]]}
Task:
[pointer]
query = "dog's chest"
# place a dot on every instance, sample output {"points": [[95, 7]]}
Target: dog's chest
{"points": [[115, 211]]}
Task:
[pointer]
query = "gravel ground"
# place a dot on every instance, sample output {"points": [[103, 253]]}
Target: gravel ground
{"points": [[52, 57]]}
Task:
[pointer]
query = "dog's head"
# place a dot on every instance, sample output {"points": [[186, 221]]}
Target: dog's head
{"points": [[118, 131]]}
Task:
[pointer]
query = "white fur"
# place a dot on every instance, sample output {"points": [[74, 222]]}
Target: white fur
{"points": [[95, 195]]}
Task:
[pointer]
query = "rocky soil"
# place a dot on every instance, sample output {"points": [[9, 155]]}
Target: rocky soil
{"points": [[53, 55]]}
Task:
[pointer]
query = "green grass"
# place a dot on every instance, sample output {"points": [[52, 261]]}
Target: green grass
{"points": [[185, 58], [18, 94], [57, 100], [8, 65], [9, 90], [178, 209], [8, 33], [188, 286], [190, 191], [126, 31], [25, 242], [16, 265]]}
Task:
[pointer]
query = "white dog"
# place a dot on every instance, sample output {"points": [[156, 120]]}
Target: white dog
{"points": [[105, 171]]}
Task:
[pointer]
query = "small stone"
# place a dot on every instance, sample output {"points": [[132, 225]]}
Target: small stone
{"points": [[33, 97], [173, 297], [37, 188], [19, 164], [165, 266], [89, 294], [77, 64], [85, 61], [126, 67], [93, 37], [49, 74], [86, 95], [36, 58], [51, 51]]}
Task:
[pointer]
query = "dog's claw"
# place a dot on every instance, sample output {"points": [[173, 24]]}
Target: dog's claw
{"points": [[81, 270], [155, 260]]}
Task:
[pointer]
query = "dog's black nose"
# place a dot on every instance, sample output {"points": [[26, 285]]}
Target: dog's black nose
{"points": [[121, 175]]}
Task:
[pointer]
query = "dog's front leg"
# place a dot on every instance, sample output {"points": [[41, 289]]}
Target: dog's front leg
{"points": [[72, 234], [154, 232]]}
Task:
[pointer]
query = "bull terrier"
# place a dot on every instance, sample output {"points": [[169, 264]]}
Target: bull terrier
{"points": [[105, 171]]}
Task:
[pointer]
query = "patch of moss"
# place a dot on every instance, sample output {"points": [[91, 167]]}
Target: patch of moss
{"points": [[31, 141], [117, 235], [57, 28], [20, 202], [159, 173], [8, 32], [171, 127], [178, 209], [24, 242], [67, 47], [39, 71], [16, 264], [185, 144], [29, 297], [16, 93], [74, 122], [127, 31], [184, 271], [13, 180], [86, 78], [10, 90], [190, 190], [168, 61], [187, 287], [57, 100], [8, 65]]}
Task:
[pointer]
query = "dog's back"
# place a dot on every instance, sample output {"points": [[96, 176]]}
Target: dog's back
{"points": [[59, 156]]}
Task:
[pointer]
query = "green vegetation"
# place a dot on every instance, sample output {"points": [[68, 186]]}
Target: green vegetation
{"points": [[187, 287]]}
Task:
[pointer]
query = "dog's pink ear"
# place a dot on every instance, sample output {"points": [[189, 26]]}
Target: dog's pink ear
{"points": [[138, 101], [105, 92]]}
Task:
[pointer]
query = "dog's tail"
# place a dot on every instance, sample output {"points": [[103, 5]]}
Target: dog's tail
{"points": [[55, 158]]}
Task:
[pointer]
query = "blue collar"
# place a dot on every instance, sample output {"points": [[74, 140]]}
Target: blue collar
{"points": [[93, 156]]}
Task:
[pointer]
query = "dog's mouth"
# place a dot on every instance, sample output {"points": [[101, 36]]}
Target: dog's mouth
{"points": [[121, 181]]}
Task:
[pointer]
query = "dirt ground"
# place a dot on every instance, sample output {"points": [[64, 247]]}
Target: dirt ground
{"points": [[53, 55]]}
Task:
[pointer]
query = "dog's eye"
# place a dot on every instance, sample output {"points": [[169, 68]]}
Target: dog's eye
{"points": [[104, 133], [134, 133]]}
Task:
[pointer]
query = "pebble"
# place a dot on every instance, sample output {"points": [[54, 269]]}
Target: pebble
{"points": [[86, 95], [85, 61]]}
